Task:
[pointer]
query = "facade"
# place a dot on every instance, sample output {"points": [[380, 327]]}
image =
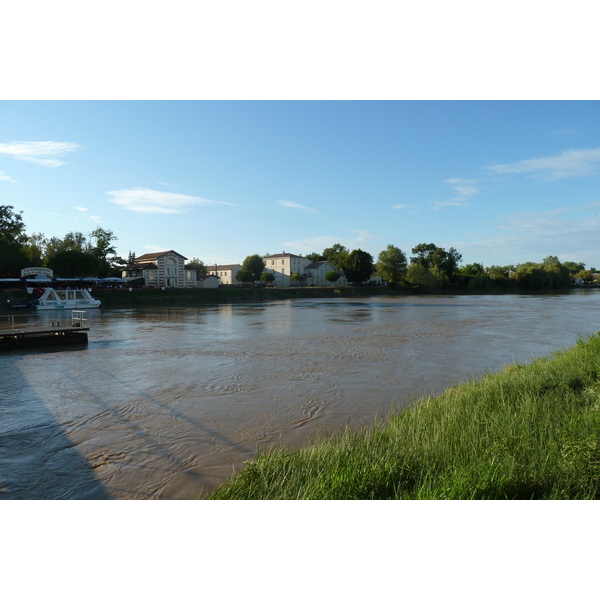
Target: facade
{"points": [[284, 265], [225, 273], [316, 271], [207, 282], [161, 269]]}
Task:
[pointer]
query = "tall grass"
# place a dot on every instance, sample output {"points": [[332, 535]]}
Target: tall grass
{"points": [[527, 432]]}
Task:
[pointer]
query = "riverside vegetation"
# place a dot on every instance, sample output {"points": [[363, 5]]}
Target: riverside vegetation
{"points": [[527, 432]]}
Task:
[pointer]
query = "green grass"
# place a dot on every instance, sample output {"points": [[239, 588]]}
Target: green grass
{"points": [[528, 432]]}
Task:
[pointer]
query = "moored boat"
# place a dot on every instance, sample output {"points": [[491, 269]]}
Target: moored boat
{"points": [[53, 299]]}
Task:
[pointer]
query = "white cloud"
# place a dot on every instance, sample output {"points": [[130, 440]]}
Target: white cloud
{"points": [[154, 201], [81, 209], [365, 240], [289, 204], [41, 153], [5, 177], [464, 190], [571, 163], [570, 234], [402, 206]]}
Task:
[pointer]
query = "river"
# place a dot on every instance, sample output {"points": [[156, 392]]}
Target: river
{"points": [[166, 403]]}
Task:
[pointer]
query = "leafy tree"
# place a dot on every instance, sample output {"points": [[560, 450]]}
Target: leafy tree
{"points": [[423, 254], [103, 250], [245, 276], [12, 228], [332, 276], [315, 256], [267, 277], [358, 266], [421, 277], [74, 263], [472, 270], [13, 256], [35, 249], [198, 266], [295, 277], [573, 266], [445, 261], [336, 255], [391, 264], [255, 264]]}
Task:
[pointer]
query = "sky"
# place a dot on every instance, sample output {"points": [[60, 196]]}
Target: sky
{"points": [[503, 182]]}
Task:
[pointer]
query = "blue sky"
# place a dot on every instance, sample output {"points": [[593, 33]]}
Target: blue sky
{"points": [[503, 182]]}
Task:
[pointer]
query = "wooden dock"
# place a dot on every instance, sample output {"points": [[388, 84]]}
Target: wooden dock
{"points": [[52, 334]]}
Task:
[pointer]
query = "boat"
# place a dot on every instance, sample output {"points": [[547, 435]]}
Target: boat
{"points": [[52, 334], [52, 299]]}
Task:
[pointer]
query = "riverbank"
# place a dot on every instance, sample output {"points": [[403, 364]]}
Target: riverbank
{"points": [[145, 298], [528, 432]]}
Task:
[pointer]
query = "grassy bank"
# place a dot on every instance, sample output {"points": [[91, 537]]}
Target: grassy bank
{"points": [[528, 432]]}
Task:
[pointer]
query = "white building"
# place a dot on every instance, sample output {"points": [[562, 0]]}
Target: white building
{"points": [[284, 265], [225, 273]]}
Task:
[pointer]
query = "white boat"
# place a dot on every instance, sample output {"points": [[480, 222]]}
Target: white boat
{"points": [[53, 299]]}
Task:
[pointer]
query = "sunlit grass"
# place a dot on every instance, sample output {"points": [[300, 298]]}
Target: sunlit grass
{"points": [[528, 432]]}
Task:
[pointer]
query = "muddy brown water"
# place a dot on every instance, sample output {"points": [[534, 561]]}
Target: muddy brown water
{"points": [[164, 404]]}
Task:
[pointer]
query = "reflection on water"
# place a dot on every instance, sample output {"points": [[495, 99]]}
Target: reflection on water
{"points": [[164, 403]]}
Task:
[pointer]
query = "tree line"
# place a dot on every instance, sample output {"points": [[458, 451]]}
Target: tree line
{"points": [[430, 267], [73, 255]]}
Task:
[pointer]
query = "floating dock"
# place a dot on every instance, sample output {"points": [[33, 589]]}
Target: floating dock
{"points": [[53, 334]]}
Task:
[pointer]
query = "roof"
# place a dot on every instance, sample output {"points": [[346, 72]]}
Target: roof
{"points": [[283, 255], [155, 255], [138, 266], [317, 263], [222, 267]]}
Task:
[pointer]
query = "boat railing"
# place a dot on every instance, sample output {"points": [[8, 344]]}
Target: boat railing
{"points": [[78, 318]]}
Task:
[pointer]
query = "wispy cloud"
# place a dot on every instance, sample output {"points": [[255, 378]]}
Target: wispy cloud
{"points": [[40, 153], [366, 240], [571, 163], [5, 177], [569, 233], [402, 206], [289, 204], [153, 201], [464, 190], [81, 209]]}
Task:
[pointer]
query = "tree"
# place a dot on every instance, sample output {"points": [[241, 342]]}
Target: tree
{"points": [[245, 276], [336, 255], [315, 256], [255, 264], [74, 263], [358, 266], [391, 264], [13, 256], [198, 266], [12, 228], [441, 262], [267, 277], [35, 249], [573, 266], [421, 277], [332, 276], [473, 270]]}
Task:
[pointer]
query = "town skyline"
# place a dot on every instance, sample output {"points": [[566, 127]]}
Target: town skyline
{"points": [[503, 182]]}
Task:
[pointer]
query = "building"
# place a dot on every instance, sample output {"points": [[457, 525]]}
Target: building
{"points": [[161, 269], [225, 273], [315, 274], [311, 273], [207, 282]]}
